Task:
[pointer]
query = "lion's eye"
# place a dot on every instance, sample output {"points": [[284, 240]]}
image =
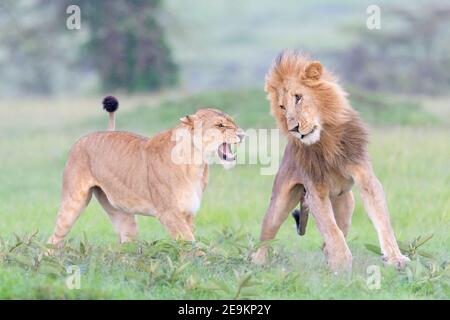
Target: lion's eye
{"points": [[282, 107], [298, 98], [220, 125]]}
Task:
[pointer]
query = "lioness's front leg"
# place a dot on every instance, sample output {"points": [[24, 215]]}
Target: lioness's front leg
{"points": [[190, 221], [374, 201], [336, 251], [177, 225], [286, 193]]}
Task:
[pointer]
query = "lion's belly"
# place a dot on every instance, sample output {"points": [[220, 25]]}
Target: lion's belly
{"points": [[339, 185]]}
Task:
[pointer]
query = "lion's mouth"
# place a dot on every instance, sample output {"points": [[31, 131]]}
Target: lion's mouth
{"points": [[225, 152], [302, 136]]}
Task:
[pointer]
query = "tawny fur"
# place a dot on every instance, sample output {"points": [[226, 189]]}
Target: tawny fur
{"points": [[306, 99], [131, 174]]}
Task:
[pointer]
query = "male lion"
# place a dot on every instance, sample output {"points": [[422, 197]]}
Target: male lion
{"points": [[130, 174], [326, 153]]}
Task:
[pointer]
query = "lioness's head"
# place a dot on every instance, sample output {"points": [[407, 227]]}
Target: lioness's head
{"points": [[214, 135], [304, 97]]}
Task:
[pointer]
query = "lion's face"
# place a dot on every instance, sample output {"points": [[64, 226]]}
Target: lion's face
{"points": [[215, 135], [296, 108], [296, 102]]}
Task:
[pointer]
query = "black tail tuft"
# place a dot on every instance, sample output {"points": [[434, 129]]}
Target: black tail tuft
{"points": [[110, 104]]}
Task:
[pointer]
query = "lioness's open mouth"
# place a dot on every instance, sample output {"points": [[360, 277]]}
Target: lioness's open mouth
{"points": [[225, 152], [307, 134]]}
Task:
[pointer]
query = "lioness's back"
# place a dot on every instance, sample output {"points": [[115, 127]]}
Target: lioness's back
{"points": [[111, 156]]}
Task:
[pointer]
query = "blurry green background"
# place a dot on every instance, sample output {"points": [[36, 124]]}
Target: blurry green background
{"points": [[145, 45], [164, 59]]}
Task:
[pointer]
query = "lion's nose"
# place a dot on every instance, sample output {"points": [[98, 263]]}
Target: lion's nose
{"points": [[294, 129]]}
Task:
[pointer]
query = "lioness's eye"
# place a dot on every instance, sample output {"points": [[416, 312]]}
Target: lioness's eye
{"points": [[298, 98], [282, 107], [220, 125]]}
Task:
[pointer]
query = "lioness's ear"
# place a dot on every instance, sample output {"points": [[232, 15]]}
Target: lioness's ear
{"points": [[313, 70], [188, 120]]}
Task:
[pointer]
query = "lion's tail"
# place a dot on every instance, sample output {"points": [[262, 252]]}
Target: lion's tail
{"points": [[110, 104]]}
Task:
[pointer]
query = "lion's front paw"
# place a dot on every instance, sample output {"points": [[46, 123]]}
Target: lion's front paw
{"points": [[259, 257], [399, 261], [339, 261]]}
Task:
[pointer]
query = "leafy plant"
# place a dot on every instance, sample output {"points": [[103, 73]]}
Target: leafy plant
{"points": [[411, 248], [237, 290]]}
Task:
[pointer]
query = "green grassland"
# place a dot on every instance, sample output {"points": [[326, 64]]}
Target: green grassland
{"points": [[410, 150]]}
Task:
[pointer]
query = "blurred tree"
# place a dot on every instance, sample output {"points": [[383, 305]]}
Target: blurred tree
{"points": [[126, 44], [121, 43], [409, 55], [32, 54]]}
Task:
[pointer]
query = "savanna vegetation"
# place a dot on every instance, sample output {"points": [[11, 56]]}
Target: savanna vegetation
{"points": [[409, 145]]}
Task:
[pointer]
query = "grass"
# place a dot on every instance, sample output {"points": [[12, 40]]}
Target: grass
{"points": [[410, 154]]}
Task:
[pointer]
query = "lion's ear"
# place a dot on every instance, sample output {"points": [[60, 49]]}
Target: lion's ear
{"points": [[188, 120], [313, 70]]}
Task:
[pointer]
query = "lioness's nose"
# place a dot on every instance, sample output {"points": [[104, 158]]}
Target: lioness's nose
{"points": [[241, 135], [294, 129]]}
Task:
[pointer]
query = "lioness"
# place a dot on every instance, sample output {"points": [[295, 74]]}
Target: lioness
{"points": [[326, 153], [130, 174]]}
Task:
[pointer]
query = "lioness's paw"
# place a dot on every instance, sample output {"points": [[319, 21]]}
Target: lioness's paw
{"points": [[193, 253], [53, 251], [399, 261], [259, 257], [54, 246]]}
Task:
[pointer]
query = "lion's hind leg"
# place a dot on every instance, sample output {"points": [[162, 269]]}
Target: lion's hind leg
{"points": [[343, 207], [124, 223]]}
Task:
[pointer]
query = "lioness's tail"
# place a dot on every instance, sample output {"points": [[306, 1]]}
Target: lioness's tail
{"points": [[110, 104]]}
